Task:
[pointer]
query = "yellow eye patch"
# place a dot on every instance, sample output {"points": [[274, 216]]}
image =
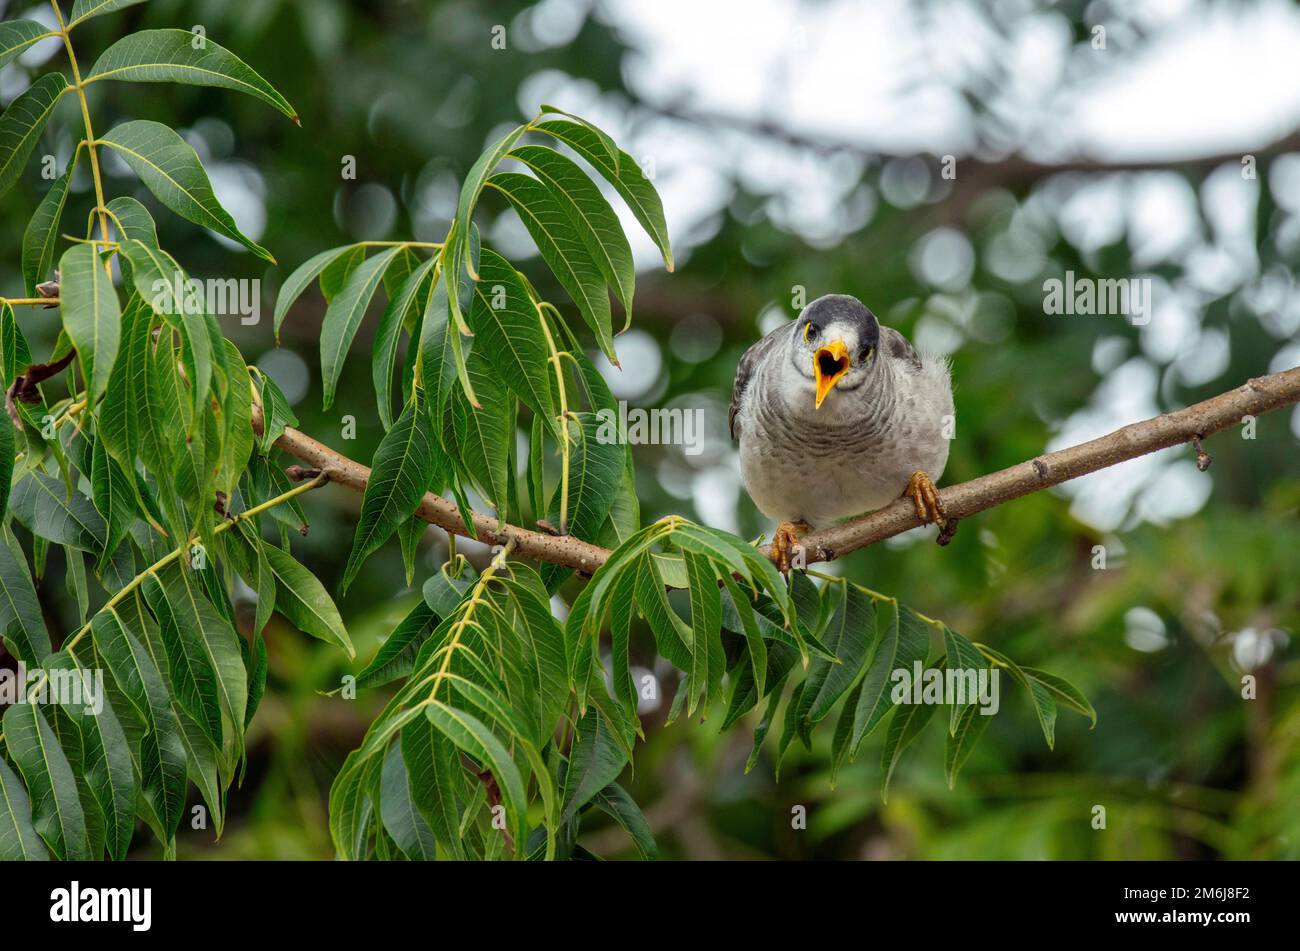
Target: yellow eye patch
{"points": [[807, 329]]}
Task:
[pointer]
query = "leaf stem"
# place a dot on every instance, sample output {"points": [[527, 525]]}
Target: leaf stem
{"points": [[874, 595], [85, 118], [30, 301], [475, 599], [170, 557]]}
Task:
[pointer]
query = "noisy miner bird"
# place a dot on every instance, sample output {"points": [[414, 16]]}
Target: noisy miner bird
{"points": [[838, 416]]}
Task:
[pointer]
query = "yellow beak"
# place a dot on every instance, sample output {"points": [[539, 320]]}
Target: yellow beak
{"points": [[829, 364]]}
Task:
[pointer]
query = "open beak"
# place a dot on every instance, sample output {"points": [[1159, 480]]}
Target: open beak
{"points": [[829, 364]]}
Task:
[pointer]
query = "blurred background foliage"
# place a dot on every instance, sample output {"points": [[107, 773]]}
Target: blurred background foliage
{"points": [[728, 109]]}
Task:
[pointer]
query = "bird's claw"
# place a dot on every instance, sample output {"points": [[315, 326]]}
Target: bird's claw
{"points": [[785, 542], [929, 507]]}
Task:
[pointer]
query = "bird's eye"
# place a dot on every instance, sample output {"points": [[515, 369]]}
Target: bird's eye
{"points": [[871, 353], [808, 331]]}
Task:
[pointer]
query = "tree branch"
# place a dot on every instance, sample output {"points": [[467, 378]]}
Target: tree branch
{"points": [[567, 551], [1190, 425]]}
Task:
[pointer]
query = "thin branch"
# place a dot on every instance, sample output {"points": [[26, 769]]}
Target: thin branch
{"points": [[434, 509], [1193, 424]]}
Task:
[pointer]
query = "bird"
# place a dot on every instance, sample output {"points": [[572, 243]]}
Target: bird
{"points": [[836, 416]]}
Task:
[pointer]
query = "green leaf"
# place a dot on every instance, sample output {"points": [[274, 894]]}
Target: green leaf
{"points": [[166, 288], [15, 356], [440, 360], [437, 780], [615, 802], [203, 767], [343, 317], [135, 221], [120, 411], [42, 232], [508, 329], [591, 215], [21, 618], [170, 168], [203, 656], [22, 122], [253, 565], [606, 141], [396, 656], [276, 412], [539, 686], [484, 435], [236, 410], [18, 839], [1063, 692], [17, 35], [45, 508], [902, 639], [413, 291], [909, 720], [472, 737], [398, 479], [850, 635], [257, 660], [350, 806], [595, 468], [457, 255], [8, 451], [305, 602], [971, 724], [57, 813], [113, 496], [161, 754], [85, 9], [158, 389], [563, 250], [301, 277], [707, 662], [91, 315], [1039, 694], [737, 604], [179, 56], [961, 655], [399, 813], [106, 757], [596, 760], [625, 175]]}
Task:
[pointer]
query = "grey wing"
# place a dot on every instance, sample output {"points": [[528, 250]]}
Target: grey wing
{"points": [[745, 372]]}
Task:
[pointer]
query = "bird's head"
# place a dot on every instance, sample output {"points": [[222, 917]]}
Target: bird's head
{"points": [[835, 344]]}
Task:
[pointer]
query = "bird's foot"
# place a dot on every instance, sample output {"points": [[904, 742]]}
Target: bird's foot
{"points": [[785, 543], [929, 507]]}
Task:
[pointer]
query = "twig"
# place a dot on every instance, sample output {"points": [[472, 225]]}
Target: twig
{"points": [[1257, 396]]}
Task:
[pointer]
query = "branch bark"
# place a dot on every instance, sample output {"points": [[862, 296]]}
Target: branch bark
{"points": [[1190, 425], [567, 551]]}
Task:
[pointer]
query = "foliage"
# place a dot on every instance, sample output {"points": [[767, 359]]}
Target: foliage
{"points": [[504, 733]]}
